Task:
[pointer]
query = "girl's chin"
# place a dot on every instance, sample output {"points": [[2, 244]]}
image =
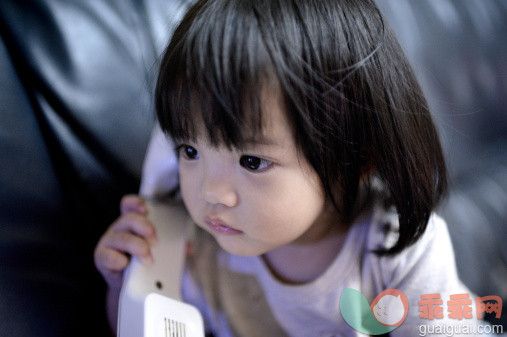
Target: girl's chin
{"points": [[237, 246]]}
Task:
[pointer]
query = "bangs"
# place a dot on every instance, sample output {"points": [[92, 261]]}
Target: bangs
{"points": [[213, 74]]}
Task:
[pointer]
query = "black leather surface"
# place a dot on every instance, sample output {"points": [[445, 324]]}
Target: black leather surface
{"points": [[75, 114], [75, 118]]}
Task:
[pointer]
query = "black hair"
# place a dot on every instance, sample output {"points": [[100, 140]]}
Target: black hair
{"points": [[349, 93]]}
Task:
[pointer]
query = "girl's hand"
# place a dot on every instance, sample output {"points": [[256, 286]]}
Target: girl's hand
{"points": [[131, 234]]}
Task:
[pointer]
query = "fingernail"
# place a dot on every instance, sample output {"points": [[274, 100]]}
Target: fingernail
{"points": [[153, 241], [147, 260], [189, 249]]}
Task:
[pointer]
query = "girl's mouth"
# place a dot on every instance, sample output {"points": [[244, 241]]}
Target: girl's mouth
{"points": [[220, 227]]}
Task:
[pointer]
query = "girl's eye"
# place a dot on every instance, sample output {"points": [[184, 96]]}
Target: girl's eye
{"points": [[188, 152], [255, 163]]}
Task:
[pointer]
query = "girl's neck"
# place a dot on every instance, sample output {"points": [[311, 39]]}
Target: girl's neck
{"points": [[302, 263]]}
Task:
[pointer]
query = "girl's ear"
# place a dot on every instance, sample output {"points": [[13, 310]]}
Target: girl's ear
{"points": [[367, 170], [366, 163]]}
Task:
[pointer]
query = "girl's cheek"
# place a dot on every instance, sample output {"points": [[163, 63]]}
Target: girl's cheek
{"points": [[263, 184], [187, 178]]}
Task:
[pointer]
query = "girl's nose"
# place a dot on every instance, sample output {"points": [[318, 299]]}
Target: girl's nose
{"points": [[216, 188]]}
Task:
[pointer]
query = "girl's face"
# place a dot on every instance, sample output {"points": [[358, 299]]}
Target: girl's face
{"points": [[257, 200]]}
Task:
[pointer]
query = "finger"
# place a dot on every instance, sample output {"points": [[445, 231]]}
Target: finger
{"points": [[110, 264], [111, 260], [132, 203], [137, 224], [131, 244]]}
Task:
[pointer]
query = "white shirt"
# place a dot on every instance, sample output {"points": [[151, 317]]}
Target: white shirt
{"points": [[239, 296]]}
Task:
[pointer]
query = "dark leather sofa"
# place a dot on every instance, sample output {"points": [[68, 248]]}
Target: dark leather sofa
{"points": [[76, 79]]}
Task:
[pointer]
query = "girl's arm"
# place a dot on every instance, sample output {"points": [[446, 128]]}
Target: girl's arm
{"points": [[131, 234], [112, 301]]}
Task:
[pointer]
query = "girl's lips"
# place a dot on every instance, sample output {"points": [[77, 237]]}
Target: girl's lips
{"points": [[220, 227]]}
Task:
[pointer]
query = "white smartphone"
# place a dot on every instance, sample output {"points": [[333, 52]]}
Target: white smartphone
{"points": [[150, 299]]}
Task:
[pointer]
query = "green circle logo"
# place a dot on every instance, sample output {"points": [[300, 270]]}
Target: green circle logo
{"points": [[386, 313]]}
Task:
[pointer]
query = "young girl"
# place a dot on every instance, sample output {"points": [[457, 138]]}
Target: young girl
{"points": [[309, 161]]}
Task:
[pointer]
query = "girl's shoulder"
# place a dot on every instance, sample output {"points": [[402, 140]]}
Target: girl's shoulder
{"points": [[429, 260], [384, 231], [384, 224]]}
